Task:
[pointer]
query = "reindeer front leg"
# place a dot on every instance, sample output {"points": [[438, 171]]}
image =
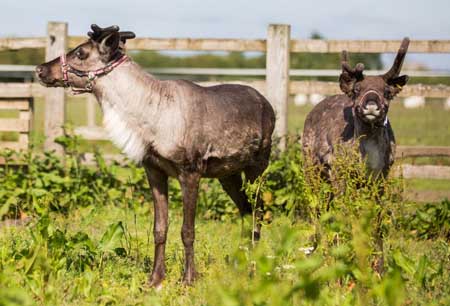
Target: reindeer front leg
{"points": [[189, 188], [158, 182]]}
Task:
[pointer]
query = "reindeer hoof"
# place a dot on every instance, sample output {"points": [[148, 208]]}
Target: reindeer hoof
{"points": [[189, 278], [378, 265], [156, 281]]}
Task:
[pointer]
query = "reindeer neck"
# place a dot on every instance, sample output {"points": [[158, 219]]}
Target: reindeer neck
{"points": [[126, 86], [367, 130], [373, 144], [132, 101]]}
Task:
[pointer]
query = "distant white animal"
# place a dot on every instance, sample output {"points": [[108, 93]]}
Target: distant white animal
{"points": [[314, 99], [414, 102], [447, 104], [300, 99]]}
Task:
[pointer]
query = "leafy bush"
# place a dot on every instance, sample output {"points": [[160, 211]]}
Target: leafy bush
{"points": [[35, 183], [350, 215], [52, 252], [431, 220]]}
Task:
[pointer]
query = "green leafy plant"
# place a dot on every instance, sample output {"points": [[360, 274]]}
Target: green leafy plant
{"points": [[431, 220]]}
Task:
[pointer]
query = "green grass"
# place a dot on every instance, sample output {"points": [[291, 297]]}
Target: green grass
{"points": [[90, 241], [122, 280], [425, 184], [425, 190]]}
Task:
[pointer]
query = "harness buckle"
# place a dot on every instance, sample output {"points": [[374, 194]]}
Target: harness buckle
{"points": [[91, 75]]}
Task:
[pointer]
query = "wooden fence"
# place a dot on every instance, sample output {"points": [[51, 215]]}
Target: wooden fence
{"points": [[21, 124], [277, 87]]}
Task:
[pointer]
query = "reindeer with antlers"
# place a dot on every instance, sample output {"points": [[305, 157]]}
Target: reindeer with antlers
{"points": [[359, 114], [173, 128]]}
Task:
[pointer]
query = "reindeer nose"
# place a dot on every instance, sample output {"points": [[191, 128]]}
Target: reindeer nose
{"points": [[371, 104]]}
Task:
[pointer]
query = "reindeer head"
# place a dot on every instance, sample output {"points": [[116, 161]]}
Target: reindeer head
{"points": [[79, 67], [371, 95]]}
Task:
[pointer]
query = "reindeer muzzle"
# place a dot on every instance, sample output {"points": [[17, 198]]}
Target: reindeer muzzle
{"points": [[371, 106]]}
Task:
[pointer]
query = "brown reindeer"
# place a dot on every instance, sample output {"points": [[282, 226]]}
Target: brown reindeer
{"points": [[173, 128], [359, 116]]}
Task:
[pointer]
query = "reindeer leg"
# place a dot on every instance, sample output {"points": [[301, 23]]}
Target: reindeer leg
{"points": [[158, 182], [189, 187], [378, 262], [233, 187], [252, 173]]}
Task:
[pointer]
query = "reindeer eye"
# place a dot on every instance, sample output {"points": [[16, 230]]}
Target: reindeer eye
{"points": [[356, 89], [387, 92], [80, 54]]}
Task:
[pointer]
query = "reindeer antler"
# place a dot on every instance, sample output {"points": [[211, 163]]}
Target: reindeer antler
{"points": [[398, 62], [124, 35], [99, 33], [355, 72], [349, 75]]}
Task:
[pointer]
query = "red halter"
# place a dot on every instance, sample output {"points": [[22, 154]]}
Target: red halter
{"points": [[91, 75]]}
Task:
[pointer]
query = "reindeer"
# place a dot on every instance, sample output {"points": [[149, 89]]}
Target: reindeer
{"points": [[359, 116], [172, 128]]}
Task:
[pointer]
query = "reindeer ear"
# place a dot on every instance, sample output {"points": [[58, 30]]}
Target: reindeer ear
{"points": [[109, 45], [346, 82], [398, 81], [396, 85]]}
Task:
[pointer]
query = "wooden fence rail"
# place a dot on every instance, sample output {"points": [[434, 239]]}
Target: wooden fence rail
{"points": [[213, 44], [21, 124], [11, 90], [27, 72]]}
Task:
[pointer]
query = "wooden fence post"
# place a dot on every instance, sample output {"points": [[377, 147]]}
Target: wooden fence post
{"points": [[277, 75], [91, 104], [55, 100]]}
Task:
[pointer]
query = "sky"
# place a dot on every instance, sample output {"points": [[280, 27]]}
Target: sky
{"points": [[349, 19]]}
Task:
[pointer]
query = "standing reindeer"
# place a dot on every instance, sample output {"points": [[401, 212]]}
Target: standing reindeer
{"points": [[360, 114], [173, 128]]}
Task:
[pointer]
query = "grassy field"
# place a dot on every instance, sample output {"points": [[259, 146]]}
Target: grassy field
{"points": [[232, 271]]}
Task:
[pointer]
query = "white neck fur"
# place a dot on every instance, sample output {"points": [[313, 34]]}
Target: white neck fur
{"points": [[120, 98]]}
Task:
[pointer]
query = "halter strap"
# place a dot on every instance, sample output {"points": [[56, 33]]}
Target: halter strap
{"points": [[90, 74]]}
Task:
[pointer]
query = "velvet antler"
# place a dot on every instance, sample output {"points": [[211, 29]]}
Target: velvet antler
{"points": [[355, 72], [397, 66], [99, 33]]}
